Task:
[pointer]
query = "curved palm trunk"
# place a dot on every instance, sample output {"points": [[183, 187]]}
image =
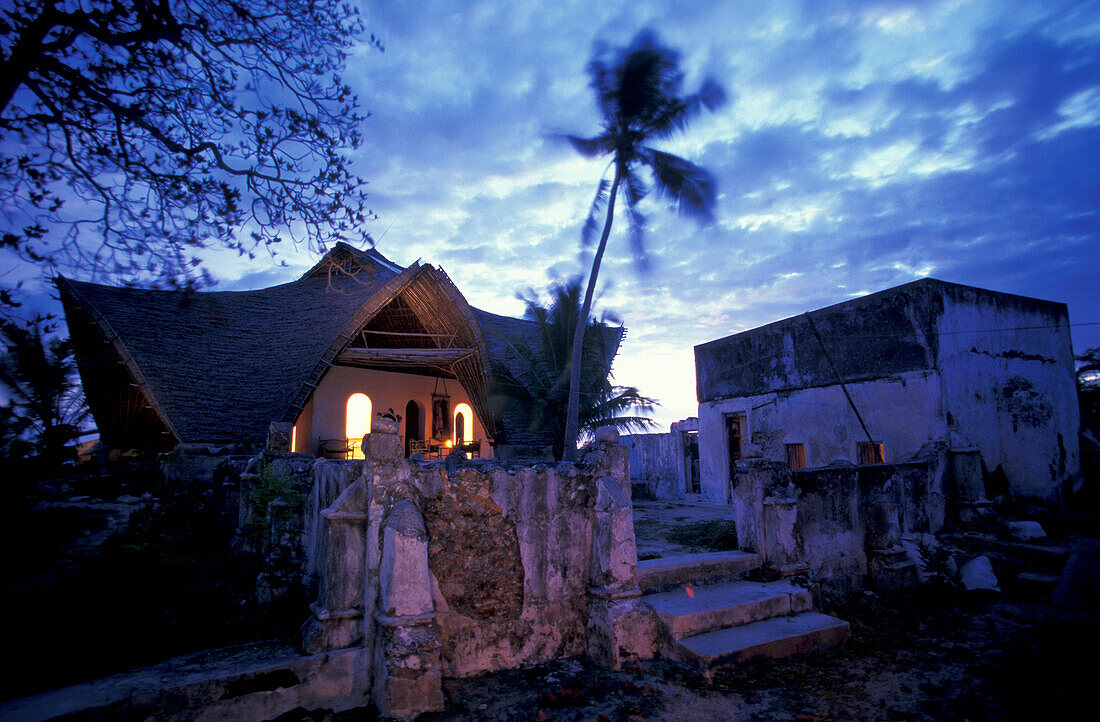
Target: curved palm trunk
{"points": [[573, 411]]}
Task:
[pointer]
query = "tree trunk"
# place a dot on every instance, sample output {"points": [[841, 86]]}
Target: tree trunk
{"points": [[573, 412]]}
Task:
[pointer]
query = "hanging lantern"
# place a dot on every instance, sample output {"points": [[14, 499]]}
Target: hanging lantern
{"points": [[441, 411]]}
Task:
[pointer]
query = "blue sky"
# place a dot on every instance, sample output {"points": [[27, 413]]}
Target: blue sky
{"points": [[866, 144]]}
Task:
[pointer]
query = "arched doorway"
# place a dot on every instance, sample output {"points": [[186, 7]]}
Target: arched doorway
{"points": [[414, 425], [464, 424], [357, 423]]}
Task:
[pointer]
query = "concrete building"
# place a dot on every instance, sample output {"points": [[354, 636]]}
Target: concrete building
{"points": [[879, 378]]}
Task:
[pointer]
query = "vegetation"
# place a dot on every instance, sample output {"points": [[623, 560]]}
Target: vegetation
{"points": [[172, 582], [135, 133], [46, 408], [539, 389], [639, 95]]}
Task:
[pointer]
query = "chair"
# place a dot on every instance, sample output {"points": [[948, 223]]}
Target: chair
{"points": [[419, 447], [334, 448]]}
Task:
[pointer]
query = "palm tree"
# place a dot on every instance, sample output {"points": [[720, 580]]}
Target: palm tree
{"points": [[38, 374], [536, 382], [639, 97]]}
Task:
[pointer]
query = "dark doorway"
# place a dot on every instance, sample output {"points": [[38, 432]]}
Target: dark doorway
{"points": [[460, 429], [414, 426], [734, 432], [691, 459]]}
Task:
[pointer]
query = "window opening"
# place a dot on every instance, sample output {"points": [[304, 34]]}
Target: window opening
{"points": [[871, 453], [357, 423], [796, 456], [464, 425]]}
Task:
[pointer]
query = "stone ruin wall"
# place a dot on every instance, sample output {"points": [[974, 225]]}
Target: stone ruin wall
{"points": [[848, 523], [427, 570]]}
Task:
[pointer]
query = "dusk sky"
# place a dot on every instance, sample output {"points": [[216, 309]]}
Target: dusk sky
{"points": [[865, 145]]}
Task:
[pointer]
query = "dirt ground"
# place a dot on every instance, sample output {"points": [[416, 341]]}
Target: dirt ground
{"points": [[935, 656]]}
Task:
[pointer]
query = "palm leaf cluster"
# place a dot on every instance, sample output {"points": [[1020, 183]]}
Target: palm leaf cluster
{"points": [[535, 382], [639, 91], [45, 403]]}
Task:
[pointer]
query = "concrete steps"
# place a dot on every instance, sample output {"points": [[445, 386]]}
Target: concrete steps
{"points": [[715, 606], [726, 622], [773, 638], [694, 568]]}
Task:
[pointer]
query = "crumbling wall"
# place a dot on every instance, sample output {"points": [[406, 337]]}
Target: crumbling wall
{"points": [[1009, 388], [458, 567], [660, 462], [840, 523], [904, 411]]}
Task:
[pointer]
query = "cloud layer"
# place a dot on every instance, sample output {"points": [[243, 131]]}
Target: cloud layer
{"points": [[868, 144]]}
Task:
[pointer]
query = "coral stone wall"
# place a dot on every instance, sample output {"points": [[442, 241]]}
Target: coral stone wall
{"points": [[457, 567]]}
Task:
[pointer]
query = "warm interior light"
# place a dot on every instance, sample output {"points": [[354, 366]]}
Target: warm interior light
{"points": [[449, 443], [358, 423], [465, 415], [293, 439]]}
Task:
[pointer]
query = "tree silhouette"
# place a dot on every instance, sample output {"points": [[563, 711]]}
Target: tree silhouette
{"points": [[38, 374], [538, 388], [133, 134], [640, 98]]}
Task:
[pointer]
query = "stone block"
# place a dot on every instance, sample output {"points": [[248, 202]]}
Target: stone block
{"points": [[620, 631], [405, 580], [383, 447], [279, 434]]}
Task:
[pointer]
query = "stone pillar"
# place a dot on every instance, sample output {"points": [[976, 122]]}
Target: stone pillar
{"points": [[890, 568], [781, 549], [337, 620], [756, 479], [278, 437], [971, 508], [408, 668], [619, 627]]}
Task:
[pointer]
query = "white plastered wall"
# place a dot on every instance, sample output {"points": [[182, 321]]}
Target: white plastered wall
{"points": [[386, 390], [1011, 392], [903, 411]]}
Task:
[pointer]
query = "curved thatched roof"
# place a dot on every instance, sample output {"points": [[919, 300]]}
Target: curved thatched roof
{"points": [[220, 366]]}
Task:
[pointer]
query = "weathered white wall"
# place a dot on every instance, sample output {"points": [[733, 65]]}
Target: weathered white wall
{"points": [[658, 461], [386, 390], [1011, 391], [903, 411]]}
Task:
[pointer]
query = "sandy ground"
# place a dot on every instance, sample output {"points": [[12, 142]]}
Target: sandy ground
{"points": [[953, 657]]}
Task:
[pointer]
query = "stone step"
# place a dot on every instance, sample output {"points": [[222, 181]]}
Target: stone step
{"points": [[774, 638], [694, 567], [1012, 556], [1035, 585], [727, 604]]}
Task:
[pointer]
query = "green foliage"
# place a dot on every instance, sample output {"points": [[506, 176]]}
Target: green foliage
{"points": [[639, 94], [276, 493], [537, 387], [173, 582], [715, 535], [46, 407]]}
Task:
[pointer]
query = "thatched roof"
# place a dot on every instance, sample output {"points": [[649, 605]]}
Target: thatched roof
{"points": [[220, 366]]}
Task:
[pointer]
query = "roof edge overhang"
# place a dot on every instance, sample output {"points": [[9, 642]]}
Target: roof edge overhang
{"points": [[439, 305], [68, 295], [366, 312]]}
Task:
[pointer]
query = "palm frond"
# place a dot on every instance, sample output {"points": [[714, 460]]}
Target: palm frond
{"points": [[636, 190], [690, 187], [595, 212], [588, 147]]}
